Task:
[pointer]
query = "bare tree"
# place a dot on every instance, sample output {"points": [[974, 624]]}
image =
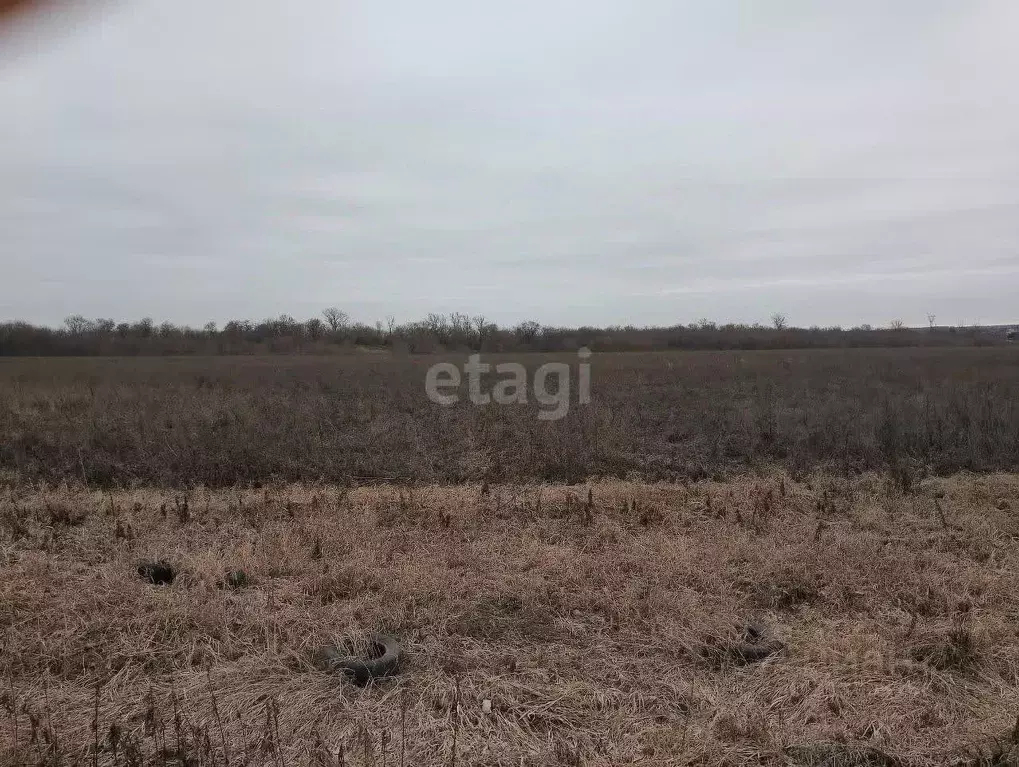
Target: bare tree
{"points": [[778, 320], [897, 325], [76, 324], [335, 318], [460, 328], [480, 324], [315, 328], [144, 327], [528, 331]]}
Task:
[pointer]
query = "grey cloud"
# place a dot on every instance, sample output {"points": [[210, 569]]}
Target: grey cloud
{"points": [[575, 162]]}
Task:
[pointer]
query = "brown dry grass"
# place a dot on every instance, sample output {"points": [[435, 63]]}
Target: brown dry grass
{"points": [[177, 422], [585, 627]]}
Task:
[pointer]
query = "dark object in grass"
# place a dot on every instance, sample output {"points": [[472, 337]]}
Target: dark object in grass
{"points": [[840, 755], [381, 658], [751, 648], [235, 579], [159, 573], [744, 653]]}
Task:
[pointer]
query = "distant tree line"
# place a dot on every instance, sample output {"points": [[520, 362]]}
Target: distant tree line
{"points": [[335, 332]]}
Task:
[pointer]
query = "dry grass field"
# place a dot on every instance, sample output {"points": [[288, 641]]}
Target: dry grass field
{"points": [[602, 622], [727, 558], [220, 421]]}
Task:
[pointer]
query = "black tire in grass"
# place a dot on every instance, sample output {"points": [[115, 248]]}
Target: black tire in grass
{"points": [[381, 657], [159, 573]]}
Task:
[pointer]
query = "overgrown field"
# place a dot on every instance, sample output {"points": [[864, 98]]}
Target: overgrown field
{"points": [[599, 621], [726, 558], [221, 421]]}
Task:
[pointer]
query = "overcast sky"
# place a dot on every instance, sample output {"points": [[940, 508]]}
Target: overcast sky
{"points": [[570, 161]]}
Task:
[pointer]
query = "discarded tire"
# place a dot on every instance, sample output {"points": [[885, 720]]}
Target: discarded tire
{"points": [[752, 648], [382, 659], [744, 653], [841, 755], [157, 573]]}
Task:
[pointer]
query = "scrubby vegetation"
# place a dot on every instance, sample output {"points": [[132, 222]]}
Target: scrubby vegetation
{"points": [[223, 421]]}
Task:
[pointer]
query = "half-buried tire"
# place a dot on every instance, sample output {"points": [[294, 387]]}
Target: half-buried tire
{"points": [[751, 648], [381, 658]]}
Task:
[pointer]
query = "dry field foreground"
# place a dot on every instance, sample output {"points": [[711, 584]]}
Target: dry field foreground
{"points": [[597, 633]]}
